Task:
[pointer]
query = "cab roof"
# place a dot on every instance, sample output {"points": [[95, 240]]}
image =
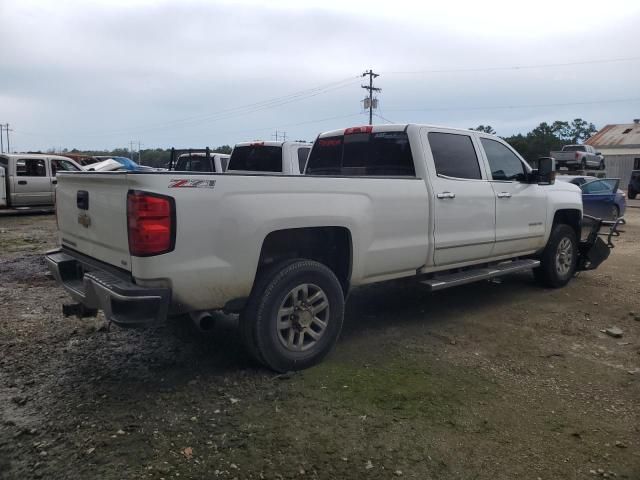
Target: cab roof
{"points": [[397, 127]]}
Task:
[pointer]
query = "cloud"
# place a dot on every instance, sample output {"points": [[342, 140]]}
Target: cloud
{"points": [[99, 75]]}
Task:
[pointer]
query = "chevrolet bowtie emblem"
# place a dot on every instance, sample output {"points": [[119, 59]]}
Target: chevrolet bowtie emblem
{"points": [[84, 220]]}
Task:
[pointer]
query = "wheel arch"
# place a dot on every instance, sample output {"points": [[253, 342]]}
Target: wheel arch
{"points": [[329, 245], [568, 216]]}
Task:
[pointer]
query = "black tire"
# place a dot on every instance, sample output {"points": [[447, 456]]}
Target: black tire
{"points": [[583, 164], [632, 194], [615, 212], [601, 166], [549, 273], [259, 320]]}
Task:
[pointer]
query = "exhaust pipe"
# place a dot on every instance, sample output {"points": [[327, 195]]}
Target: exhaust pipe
{"points": [[203, 321]]}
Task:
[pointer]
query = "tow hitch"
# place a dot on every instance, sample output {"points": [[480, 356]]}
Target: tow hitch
{"points": [[593, 250]]}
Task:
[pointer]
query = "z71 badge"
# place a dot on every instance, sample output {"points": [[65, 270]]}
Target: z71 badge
{"points": [[188, 183]]}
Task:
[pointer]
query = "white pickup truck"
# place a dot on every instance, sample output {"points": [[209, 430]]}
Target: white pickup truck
{"points": [[29, 179], [443, 206], [578, 157], [286, 158]]}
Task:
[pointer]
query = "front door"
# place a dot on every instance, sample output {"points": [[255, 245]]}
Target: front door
{"points": [[520, 206], [31, 183], [464, 202], [598, 198]]}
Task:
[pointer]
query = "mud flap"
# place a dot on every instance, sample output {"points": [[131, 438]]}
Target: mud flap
{"points": [[593, 249]]}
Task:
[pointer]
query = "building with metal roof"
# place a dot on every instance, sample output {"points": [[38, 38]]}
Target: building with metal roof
{"points": [[620, 145]]}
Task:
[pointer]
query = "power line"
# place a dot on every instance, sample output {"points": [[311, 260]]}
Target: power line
{"points": [[504, 107], [385, 119], [235, 111], [514, 67]]}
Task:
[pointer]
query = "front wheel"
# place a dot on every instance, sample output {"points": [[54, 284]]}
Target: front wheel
{"points": [[559, 258], [294, 316], [632, 194], [601, 165]]}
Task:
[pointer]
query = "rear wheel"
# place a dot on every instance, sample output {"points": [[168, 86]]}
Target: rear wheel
{"points": [[294, 316], [615, 212], [583, 164], [559, 258], [632, 194]]}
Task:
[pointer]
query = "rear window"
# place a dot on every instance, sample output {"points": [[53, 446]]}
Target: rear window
{"points": [[256, 158], [574, 148], [362, 154], [194, 164]]}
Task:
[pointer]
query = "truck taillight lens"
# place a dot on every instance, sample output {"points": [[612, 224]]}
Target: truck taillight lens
{"points": [[151, 223], [577, 155]]}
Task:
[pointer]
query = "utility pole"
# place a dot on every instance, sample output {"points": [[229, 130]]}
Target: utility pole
{"points": [[371, 89], [283, 135], [1, 139], [8, 144]]}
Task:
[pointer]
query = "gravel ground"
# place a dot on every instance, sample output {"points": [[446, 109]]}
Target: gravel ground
{"points": [[497, 380]]}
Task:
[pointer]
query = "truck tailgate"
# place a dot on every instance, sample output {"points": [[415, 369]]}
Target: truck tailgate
{"points": [[92, 215]]}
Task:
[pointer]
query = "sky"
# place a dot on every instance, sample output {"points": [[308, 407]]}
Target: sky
{"points": [[101, 74]]}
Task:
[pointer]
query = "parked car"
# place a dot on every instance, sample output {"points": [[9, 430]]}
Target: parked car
{"points": [[577, 157], [601, 197], [30, 179], [634, 184], [442, 206], [288, 158], [200, 162]]}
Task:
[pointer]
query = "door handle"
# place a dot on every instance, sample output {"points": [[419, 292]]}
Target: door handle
{"points": [[446, 195], [22, 182], [504, 195], [54, 182]]}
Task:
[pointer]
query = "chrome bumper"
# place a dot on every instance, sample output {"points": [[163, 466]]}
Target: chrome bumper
{"points": [[97, 286]]}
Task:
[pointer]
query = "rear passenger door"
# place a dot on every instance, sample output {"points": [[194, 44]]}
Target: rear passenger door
{"points": [[520, 206], [463, 200], [31, 183]]}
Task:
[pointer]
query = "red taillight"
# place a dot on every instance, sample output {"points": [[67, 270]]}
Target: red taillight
{"points": [[352, 130], [257, 144], [150, 223], [577, 155]]}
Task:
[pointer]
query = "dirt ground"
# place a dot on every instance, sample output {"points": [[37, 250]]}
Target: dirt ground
{"points": [[496, 380]]}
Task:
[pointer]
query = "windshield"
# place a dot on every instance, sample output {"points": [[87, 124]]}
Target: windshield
{"points": [[256, 158]]}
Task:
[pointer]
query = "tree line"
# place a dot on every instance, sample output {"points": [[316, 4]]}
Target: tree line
{"points": [[532, 145], [546, 137]]}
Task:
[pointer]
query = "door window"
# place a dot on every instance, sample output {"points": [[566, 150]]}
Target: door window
{"points": [[62, 166], [454, 155], [504, 164], [31, 167], [599, 187]]}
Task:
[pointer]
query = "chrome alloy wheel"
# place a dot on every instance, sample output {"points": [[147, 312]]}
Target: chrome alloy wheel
{"points": [[302, 317], [564, 257]]}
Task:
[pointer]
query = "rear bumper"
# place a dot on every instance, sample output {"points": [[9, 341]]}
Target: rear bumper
{"points": [[105, 288]]}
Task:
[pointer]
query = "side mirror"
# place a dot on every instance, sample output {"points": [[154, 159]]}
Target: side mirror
{"points": [[598, 153], [546, 171]]}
